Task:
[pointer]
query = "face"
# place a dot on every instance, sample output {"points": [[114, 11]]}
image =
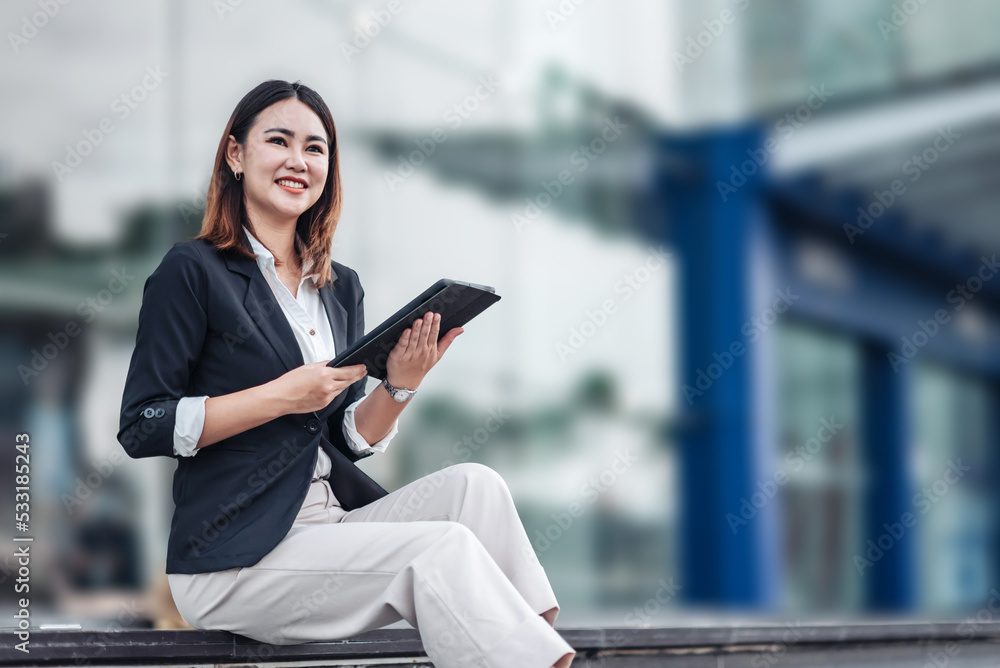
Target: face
{"points": [[284, 162]]}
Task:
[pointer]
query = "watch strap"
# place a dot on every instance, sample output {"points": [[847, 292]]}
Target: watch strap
{"points": [[394, 390]]}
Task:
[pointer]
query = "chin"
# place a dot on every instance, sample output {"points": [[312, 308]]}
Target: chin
{"points": [[289, 212]]}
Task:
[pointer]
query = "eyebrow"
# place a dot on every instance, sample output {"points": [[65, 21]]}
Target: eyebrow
{"points": [[291, 134]]}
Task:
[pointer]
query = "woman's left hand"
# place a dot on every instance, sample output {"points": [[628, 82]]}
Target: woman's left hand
{"points": [[417, 350]]}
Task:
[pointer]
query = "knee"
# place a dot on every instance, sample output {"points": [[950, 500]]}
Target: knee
{"points": [[450, 532], [450, 548], [478, 475]]}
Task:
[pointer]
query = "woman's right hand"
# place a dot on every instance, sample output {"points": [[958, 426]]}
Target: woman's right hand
{"points": [[311, 387]]}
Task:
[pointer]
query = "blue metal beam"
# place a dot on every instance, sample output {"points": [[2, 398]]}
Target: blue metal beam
{"points": [[889, 542], [721, 564]]}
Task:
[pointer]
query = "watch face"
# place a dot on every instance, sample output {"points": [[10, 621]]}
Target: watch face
{"points": [[397, 393]]}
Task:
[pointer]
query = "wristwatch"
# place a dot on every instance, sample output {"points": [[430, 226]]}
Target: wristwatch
{"points": [[398, 393]]}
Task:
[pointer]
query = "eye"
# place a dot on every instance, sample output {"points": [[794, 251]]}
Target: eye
{"points": [[318, 147]]}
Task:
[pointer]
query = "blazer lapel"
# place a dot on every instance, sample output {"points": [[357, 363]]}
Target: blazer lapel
{"points": [[262, 306], [337, 315], [265, 311]]}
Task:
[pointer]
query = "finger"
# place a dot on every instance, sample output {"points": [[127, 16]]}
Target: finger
{"points": [[426, 330], [349, 373], [404, 339], [415, 337], [432, 338]]}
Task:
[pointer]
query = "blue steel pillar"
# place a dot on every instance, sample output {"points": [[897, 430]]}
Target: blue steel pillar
{"points": [[890, 579], [721, 565]]}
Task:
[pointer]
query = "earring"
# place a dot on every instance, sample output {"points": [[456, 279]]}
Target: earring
{"points": [[237, 175]]}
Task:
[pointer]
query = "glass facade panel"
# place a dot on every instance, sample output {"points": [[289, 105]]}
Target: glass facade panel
{"points": [[821, 504], [955, 487]]}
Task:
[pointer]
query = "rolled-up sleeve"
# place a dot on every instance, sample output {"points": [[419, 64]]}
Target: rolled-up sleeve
{"points": [[188, 424], [356, 441], [171, 332]]}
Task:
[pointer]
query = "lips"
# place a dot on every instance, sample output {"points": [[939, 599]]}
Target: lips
{"points": [[292, 184]]}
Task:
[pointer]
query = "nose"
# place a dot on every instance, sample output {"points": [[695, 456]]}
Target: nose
{"points": [[295, 160]]}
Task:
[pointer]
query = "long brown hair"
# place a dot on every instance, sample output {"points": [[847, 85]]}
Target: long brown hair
{"points": [[225, 209]]}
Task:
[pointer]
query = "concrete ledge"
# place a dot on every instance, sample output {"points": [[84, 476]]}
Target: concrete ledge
{"points": [[761, 646]]}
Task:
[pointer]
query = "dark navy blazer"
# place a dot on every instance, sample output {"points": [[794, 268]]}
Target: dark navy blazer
{"points": [[209, 324]]}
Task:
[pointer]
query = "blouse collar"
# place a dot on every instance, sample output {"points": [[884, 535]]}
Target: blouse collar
{"points": [[266, 258]]}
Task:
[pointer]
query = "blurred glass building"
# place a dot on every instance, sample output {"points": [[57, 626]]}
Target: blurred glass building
{"points": [[744, 359]]}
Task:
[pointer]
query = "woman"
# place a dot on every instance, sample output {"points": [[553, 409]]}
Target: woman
{"points": [[277, 534]]}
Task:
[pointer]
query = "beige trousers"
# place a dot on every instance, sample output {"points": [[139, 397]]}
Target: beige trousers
{"points": [[446, 552]]}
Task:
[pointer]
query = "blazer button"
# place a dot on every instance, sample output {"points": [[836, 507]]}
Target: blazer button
{"points": [[313, 426], [159, 412], [148, 412]]}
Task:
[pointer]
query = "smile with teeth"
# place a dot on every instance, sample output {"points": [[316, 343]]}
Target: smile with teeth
{"points": [[290, 184]]}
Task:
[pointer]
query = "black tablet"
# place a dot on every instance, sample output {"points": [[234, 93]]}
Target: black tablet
{"points": [[457, 302]]}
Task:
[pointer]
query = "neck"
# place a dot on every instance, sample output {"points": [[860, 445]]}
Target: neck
{"points": [[279, 236]]}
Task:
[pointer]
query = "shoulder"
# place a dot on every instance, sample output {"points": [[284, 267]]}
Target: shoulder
{"points": [[197, 250], [344, 276], [346, 284], [186, 263], [193, 254]]}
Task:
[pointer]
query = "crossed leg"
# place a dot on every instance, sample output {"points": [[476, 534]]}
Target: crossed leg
{"points": [[477, 497], [447, 553]]}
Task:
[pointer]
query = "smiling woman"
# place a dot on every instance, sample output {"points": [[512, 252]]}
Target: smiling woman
{"points": [[235, 331], [287, 146]]}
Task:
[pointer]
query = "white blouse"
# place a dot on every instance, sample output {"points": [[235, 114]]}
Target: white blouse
{"points": [[309, 322]]}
